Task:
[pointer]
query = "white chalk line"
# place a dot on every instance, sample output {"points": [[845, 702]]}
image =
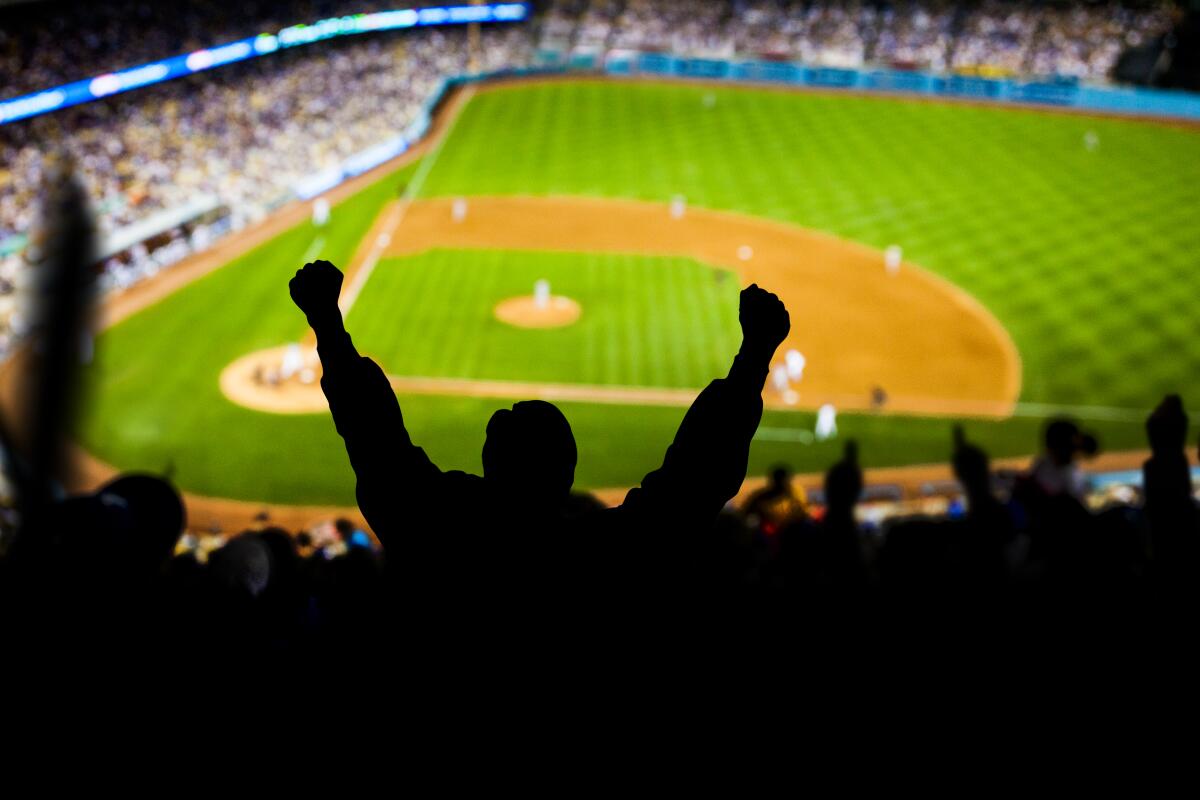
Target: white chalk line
{"points": [[1021, 410], [359, 280], [314, 249], [798, 435], [1095, 413]]}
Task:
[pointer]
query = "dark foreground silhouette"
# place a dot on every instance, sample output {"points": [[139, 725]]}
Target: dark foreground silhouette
{"points": [[475, 546], [510, 579], [510, 587]]}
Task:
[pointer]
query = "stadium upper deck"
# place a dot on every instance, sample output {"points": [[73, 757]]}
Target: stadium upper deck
{"points": [[241, 137], [44, 44]]}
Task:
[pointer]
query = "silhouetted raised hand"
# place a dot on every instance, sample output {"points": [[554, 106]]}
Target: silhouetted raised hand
{"points": [[988, 527], [1166, 427], [1168, 486], [971, 467], [315, 290], [844, 483], [706, 463], [764, 319]]}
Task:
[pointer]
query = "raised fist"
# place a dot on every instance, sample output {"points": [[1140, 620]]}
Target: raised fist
{"points": [[844, 481], [1167, 425], [316, 288], [765, 321], [970, 463]]}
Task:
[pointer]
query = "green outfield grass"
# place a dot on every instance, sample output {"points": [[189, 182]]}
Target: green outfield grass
{"points": [[1088, 257]]}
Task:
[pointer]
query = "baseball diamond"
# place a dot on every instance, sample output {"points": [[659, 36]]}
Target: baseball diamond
{"points": [[1026, 286]]}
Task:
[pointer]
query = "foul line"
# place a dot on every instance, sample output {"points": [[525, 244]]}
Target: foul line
{"points": [[313, 250], [803, 435], [799, 435], [616, 394], [359, 279], [1103, 413]]}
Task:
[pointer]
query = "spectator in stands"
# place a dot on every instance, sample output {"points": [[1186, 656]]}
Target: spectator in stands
{"points": [[1056, 472], [1170, 509], [826, 557], [988, 527], [776, 504]]}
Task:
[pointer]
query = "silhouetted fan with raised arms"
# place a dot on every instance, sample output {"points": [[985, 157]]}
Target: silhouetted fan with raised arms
{"points": [[459, 539]]}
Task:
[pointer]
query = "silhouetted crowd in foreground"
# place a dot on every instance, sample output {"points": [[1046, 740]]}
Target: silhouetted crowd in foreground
{"points": [[515, 562]]}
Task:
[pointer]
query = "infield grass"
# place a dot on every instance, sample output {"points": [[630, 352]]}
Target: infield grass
{"points": [[646, 321]]}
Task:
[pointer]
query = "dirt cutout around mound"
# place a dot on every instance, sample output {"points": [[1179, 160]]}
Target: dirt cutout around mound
{"points": [[526, 312], [929, 346]]}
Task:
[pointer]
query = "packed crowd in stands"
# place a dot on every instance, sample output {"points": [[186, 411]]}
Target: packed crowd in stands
{"points": [[44, 44], [993, 36], [244, 134]]}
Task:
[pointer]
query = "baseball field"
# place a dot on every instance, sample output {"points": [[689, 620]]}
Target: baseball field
{"points": [[1049, 267]]}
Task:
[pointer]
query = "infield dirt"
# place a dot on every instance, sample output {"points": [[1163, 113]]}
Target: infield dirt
{"points": [[930, 346]]}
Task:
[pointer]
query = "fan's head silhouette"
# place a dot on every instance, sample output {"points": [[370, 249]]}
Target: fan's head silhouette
{"points": [[530, 450]]}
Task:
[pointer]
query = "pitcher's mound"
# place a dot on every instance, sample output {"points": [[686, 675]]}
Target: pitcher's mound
{"points": [[259, 381], [524, 312]]}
